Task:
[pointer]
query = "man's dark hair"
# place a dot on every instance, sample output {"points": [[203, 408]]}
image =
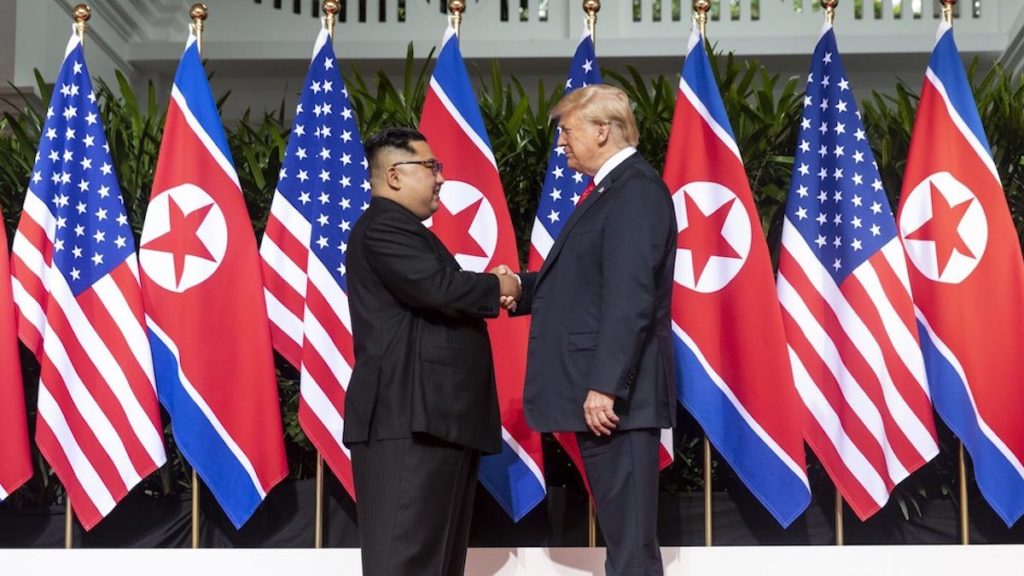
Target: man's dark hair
{"points": [[394, 137]]}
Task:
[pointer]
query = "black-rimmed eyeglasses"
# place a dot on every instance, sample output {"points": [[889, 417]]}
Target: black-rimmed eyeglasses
{"points": [[432, 165]]}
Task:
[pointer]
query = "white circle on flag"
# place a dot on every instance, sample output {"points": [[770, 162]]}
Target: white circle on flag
{"points": [[457, 196], [953, 266], [177, 269], [736, 231]]}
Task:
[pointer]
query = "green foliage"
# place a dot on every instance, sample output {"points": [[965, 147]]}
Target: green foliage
{"points": [[764, 111]]}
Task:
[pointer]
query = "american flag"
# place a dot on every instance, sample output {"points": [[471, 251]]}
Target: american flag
{"points": [[15, 458], [559, 195], [844, 289], [76, 285], [322, 189]]}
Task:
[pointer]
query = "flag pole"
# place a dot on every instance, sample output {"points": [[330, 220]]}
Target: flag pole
{"points": [[198, 13], [330, 9], [81, 14], [456, 8], [707, 493], [965, 532], [591, 8], [839, 517], [700, 17], [829, 6]]}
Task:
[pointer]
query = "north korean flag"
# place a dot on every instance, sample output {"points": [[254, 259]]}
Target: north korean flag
{"points": [[732, 361], [474, 224]]}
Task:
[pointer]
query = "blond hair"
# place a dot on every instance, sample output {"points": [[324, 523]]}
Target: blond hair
{"points": [[601, 104]]}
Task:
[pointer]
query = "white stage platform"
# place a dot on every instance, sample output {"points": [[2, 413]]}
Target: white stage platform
{"points": [[986, 560]]}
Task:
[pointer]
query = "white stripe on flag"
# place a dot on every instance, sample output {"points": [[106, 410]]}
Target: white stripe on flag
{"points": [[110, 370], [318, 402], [91, 412], [851, 390], [332, 292], [200, 132], [283, 265], [200, 402], [113, 300], [717, 128], [855, 329], [829, 421], [457, 116], [728, 393], [962, 126], [540, 239], [83, 470], [282, 317], [525, 457], [982, 424], [292, 220]]}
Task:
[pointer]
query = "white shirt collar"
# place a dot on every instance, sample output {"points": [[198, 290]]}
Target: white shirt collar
{"points": [[613, 162]]}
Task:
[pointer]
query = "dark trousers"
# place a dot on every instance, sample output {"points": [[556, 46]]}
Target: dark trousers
{"points": [[623, 473], [414, 499]]}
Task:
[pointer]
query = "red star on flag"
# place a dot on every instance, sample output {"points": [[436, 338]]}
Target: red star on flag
{"points": [[942, 228], [703, 235], [182, 239], [453, 229]]}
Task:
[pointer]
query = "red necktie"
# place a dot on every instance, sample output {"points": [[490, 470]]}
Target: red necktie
{"points": [[586, 192]]}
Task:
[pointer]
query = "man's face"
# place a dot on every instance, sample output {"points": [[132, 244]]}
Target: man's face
{"points": [[580, 139], [419, 180]]}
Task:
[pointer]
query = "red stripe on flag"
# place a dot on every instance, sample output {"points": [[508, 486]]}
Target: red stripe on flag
{"points": [[85, 511], [333, 455]]}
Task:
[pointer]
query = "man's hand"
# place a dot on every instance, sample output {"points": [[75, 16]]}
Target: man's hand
{"points": [[599, 410], [510, 288]]}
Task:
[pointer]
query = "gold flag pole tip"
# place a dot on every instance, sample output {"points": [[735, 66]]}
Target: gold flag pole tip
{"points": [[81, 14], [456, 8], [198, 14], [947, 10], [830, 10], [330, 9], [700, 13], [591, 8]]}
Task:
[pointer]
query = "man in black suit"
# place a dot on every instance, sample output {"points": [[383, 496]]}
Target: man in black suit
{"points": [[600, 359], [421, 405]]}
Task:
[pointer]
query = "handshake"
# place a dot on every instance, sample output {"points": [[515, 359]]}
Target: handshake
{"points": [[511, 288]]}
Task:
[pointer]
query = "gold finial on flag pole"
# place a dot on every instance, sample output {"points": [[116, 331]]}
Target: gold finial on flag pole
{"points": [[456, 7], [81, 13], [830, 10], [700, 15], [591, 8], [947, 10], [330, 9], [198, 13]]}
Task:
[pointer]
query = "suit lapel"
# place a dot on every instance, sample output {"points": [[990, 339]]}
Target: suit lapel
{"points": [[602, 190]]}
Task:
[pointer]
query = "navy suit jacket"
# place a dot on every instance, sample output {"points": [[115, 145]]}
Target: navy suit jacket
{"points": [[601, 307]]}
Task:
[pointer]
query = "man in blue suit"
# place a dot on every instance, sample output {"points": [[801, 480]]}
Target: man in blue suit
{"points": [[600, 359]]}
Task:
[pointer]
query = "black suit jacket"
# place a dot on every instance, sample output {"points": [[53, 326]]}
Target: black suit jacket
{"points": [[601, 307], [423, 357]]}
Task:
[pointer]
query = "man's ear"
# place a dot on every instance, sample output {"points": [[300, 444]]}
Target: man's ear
{"points": [[604, 132], [393, 178]]}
